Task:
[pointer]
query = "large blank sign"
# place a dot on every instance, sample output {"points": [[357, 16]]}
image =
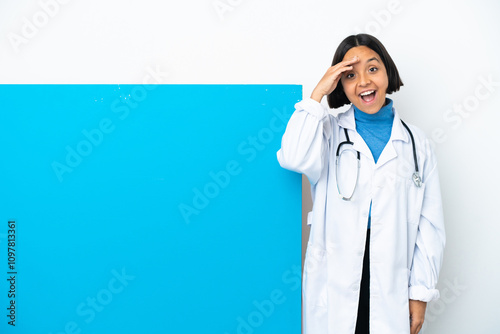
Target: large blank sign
{"points": [[148, 209]]}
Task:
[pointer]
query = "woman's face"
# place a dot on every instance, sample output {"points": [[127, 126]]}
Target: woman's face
{"points": [[365, 85]]}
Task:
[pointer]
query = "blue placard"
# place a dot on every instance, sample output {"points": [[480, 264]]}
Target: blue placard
{"points": [[148, 209]]}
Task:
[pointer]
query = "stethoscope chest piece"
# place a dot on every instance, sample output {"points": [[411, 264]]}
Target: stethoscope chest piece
{"points": [[416, 176], [417, 179]]}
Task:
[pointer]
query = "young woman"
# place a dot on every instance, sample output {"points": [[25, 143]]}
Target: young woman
{"points": [[377, 231]]}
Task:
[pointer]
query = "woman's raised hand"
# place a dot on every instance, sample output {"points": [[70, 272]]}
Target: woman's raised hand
{"points": [[331, 78]]}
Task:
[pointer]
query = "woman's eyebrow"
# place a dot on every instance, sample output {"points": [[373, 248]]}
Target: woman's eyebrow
{"points": [[373, 58]]}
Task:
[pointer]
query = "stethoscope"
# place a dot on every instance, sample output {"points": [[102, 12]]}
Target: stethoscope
{"points": [[415, 177]]}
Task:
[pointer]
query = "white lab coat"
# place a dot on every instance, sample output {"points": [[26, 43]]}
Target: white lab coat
{"points": [[407, 228]]}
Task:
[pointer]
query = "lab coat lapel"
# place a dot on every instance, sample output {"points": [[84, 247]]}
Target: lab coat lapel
{"points": [[346, 120], [360, 146], [398, 133]]}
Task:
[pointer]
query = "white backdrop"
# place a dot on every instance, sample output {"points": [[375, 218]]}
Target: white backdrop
{"points": [[447, 54]]}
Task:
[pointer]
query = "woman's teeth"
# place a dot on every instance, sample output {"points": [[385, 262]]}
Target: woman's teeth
{"points": [[368, 96]]}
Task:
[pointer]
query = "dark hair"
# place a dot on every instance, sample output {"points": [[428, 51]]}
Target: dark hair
{"points": [[337, 98]]}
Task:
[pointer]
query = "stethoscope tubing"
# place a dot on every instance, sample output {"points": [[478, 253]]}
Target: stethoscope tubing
{"points": [[415, 176]]}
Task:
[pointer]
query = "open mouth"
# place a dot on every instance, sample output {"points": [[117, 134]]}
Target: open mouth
{"points": [[368, 96]]}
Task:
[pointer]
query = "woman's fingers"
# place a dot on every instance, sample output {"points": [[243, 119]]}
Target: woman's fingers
{"points": [[343, 66], [333, 76], [329, 82], [351, 61]]}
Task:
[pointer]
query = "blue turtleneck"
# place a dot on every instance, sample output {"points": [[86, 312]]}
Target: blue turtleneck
{"points": [[375, 129]]}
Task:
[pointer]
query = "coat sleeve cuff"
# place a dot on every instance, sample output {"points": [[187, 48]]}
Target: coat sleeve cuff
{"points": [[422, 293], [312, 107]]}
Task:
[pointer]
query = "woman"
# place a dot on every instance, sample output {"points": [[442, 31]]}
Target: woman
{"points": [[377, 232]]}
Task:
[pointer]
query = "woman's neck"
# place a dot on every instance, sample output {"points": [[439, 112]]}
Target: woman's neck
{"points": [[384, 115]]}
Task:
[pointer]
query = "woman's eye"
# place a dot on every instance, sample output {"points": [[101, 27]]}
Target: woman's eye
{"points": [[373, 69], [349, 75]]}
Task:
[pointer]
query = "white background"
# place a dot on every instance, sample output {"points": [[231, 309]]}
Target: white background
{"points": [[444, 52]]}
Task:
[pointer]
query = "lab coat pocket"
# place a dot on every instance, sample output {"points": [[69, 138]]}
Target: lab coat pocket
{"points": [[315, 276]]}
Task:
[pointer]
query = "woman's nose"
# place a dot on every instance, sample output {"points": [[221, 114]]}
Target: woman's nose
{"points": [[364, 80]]}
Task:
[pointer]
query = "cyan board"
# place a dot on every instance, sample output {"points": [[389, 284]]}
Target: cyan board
{"points": [[148, 209]]}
